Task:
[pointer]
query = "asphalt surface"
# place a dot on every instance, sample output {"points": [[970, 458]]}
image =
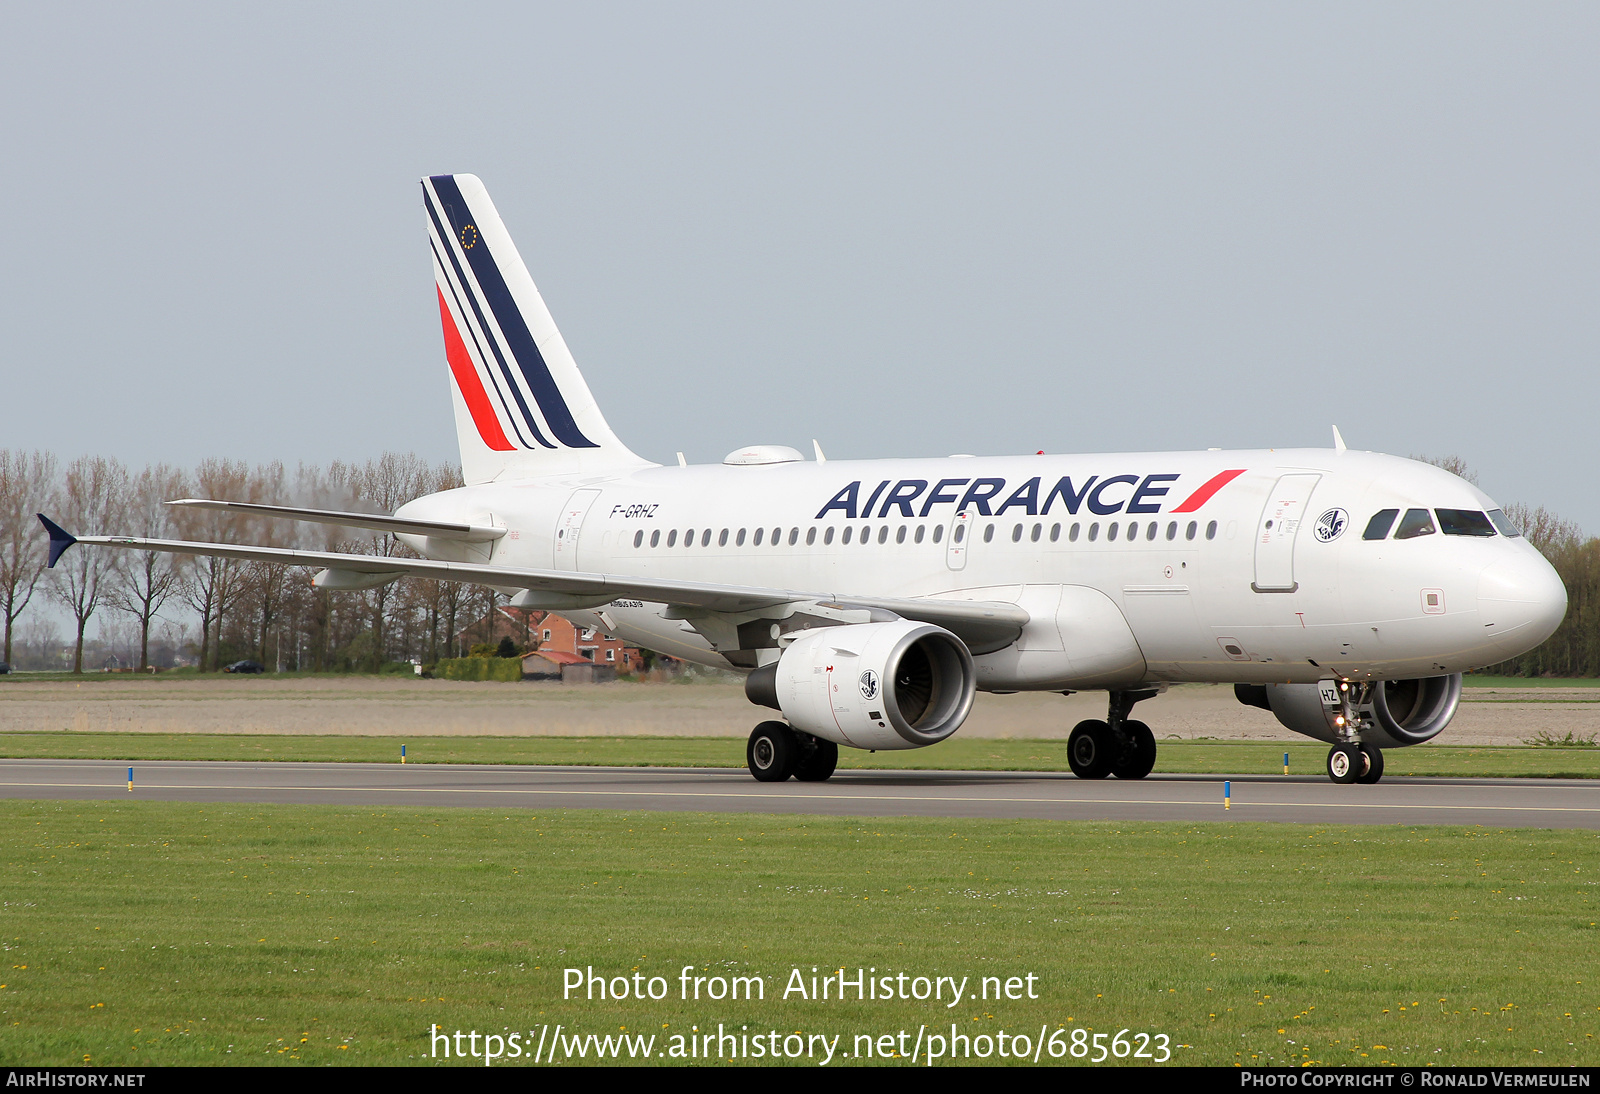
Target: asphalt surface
{"points": [[1500, 803]]}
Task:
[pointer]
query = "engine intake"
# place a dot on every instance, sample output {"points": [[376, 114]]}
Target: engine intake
{"points": [[890, 685]]}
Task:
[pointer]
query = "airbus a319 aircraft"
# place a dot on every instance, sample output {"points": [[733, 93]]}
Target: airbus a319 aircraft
{"points": [[867, 601]]}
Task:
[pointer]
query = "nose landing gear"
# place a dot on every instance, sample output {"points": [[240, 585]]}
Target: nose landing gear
{"points": [[1351, 760]]}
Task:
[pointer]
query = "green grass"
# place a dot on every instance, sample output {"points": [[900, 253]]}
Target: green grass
{"points": [[179, 933], [1473, 681], [973, 754]]}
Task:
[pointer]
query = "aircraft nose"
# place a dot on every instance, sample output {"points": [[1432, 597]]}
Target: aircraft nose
{"points": [[1521, 596]]}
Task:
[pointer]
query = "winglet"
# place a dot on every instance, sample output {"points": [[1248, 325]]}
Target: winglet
{"points": [[60, 538], [1338, 441]]}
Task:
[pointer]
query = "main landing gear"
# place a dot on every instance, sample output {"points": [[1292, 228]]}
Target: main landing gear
{"points": [[1117, 746], [775, 752]]}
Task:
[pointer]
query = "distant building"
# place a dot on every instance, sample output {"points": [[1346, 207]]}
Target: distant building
{"points": [[568, 668], [547, 632]]}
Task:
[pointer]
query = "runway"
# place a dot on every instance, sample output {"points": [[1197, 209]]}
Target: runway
{"points": [[1500, 803]]}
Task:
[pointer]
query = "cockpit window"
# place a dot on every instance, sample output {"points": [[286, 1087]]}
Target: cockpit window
{"points": [[1503, 522], [1381, 522], [1464, 522], [1416, 522]]}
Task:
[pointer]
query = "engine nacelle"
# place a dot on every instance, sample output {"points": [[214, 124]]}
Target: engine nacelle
{"points": [[1399, 712], [890, 685]]}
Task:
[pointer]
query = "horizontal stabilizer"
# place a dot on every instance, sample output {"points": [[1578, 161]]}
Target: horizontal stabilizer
{"points": [[375, 522]]}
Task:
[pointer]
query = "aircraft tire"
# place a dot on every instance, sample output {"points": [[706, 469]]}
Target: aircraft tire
{"points": [[1344, 763], [772, 752], [1372, 764], [1139, 757], [817, 761], [1091, 750]]}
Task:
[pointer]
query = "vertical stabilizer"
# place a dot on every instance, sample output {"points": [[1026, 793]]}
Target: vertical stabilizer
{"points": [[522, 407]]}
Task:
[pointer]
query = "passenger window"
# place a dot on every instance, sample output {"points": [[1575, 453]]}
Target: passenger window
{"points": [[1016, 534], [1378, 527], [722, 540], [638, 538], [883, 534], [1111, 532], [846, 537], [1034, 535], [1172, 531], [988, 533], [1150, 533], [920, 530], [1055, 533], [688, 538], [1072, 536], [960, 533], [1211, 530], [1416, 522], [1464, 522], [757, 541], [938, 532], [900, 534], [1094, 531], [672, 538], [811, 535], [655, 538], [794, 536], [739, 539], [705, 537], [1503, 522], [827, 536], [1194, 526]]}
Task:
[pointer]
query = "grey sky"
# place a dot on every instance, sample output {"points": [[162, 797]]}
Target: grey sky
{"points": [[903, 229]]}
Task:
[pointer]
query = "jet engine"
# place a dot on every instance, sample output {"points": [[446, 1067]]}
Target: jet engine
{"points": [[1396, 713], [890, 685]]}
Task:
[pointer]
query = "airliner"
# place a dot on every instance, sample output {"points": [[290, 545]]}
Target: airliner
{"points": [[868, 601]]}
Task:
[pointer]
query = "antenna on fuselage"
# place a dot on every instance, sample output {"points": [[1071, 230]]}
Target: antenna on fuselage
{"points": [[817, 448], [681, 461], [1338, 441]]}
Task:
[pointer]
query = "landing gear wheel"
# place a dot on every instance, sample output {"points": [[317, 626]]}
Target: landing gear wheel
{"points": [[1139, 755], [1091, 750], [1344, 763], [1371, 764], [817, 760], [772, 752]]}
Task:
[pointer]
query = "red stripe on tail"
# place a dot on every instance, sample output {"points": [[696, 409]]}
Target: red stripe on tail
{"points": [[461, 367], [1203, 495]]}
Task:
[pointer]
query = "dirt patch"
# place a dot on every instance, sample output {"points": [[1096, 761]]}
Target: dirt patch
{"points": [[372, 706]]}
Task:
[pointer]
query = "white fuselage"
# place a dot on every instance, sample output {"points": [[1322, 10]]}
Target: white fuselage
{"points": [[1244, 586]]}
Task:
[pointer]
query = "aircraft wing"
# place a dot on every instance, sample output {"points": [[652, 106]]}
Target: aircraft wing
{"points": [[982, 625]]}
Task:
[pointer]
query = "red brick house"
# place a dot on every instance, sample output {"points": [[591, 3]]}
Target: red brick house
{"points": [[531, 629]]}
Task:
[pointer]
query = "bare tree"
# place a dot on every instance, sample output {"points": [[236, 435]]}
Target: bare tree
{"points": [[1453, 464], [27, 481], [210, 584], [386, 484], [1544, 529], [149, 578], [93, 495]]}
